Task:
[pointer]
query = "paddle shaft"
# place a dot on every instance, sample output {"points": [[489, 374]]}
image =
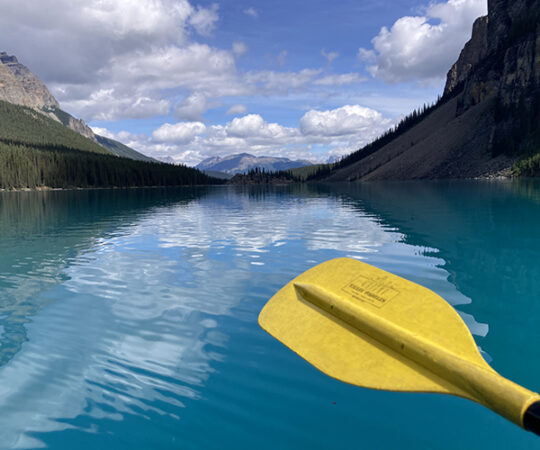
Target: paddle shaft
{"points": [[465, 378]]}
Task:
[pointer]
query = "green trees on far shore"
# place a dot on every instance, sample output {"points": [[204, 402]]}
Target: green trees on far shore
{"points": [[19, 124], [262, 176], [23, 166], [36, 151]]}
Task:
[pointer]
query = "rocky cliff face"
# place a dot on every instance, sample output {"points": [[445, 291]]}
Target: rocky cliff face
{"points": [[502, 61], [474, 51], [503, 55], [11, 89], [20, 86], [514, 36], [80, 127], [26, 89]]}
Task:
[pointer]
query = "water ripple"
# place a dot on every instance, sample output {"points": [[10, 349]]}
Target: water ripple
{"points": [[139, 323]]}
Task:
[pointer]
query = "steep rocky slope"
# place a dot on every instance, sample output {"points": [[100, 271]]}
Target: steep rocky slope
{"points": [[11, 89], [23, 86], [489, 115]]}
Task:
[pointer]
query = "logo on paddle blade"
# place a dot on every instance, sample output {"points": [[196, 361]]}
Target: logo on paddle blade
{"points": [[371, 291]]}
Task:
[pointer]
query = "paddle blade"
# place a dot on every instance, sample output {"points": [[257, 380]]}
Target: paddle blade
{"points": [[360, 324]]}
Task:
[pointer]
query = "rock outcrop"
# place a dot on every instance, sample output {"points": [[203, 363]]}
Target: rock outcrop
{"points": [[80, 127], [11, 89], [502, 59], [474, 51], [28, 89], [18, 85]]}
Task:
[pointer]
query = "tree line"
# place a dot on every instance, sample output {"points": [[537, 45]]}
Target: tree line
{"points": [[36, 151], [263, 176], [24, 166], [388, 136]]}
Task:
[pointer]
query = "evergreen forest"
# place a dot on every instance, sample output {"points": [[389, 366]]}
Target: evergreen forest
{"points": [[36, 151]]}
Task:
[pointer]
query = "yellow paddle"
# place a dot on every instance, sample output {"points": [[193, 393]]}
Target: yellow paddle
{"points": [[370, 328]]}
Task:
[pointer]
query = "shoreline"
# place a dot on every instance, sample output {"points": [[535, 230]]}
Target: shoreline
{"points": [[491, 177], [51, 189]]}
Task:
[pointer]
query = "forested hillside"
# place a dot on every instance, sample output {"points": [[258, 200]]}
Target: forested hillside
{"points": [[122, 150], [22, 125], [36, 151]]}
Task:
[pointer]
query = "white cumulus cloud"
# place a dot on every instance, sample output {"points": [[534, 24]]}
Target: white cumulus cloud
{"points": [[108, 104], [124, 17], [204, 19], [192, 108], [339, 131], [179, 133], [423, 47], [254, 126], [118, 56], [347, 120], [103, 132]]}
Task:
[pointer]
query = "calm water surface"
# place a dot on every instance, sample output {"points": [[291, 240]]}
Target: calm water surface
{"points": [[128, 319]]}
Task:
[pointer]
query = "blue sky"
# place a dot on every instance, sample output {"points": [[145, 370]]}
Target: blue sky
{"points": [[304, 30], [182, 80]]}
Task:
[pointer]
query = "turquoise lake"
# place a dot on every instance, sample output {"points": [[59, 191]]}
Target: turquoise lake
{"points": [[128, 318]]}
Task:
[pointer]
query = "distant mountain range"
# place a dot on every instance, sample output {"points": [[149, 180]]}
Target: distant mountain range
{"points": [[244, 162], [19, 86]]}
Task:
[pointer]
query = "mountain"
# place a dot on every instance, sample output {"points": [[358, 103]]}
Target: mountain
{"points": [[487, 119], [38, 152], [42, 146], [22, 125], [244, 162], [18, 85], [122, 150], [210, 173]]}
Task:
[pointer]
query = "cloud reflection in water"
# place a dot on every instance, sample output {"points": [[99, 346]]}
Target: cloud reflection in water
{"points": [[136, 323]]}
